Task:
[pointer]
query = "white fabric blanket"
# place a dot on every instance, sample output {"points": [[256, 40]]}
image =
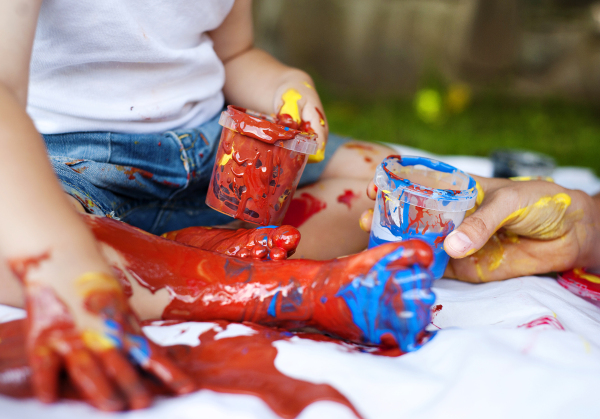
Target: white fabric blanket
{"points": [[522, 348]]}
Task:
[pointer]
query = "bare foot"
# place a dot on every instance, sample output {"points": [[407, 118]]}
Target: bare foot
{"points": [[271, 242]]}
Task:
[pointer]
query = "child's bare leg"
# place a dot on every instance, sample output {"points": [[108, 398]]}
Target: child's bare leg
{"points": [[327, 213], [187, 283]]}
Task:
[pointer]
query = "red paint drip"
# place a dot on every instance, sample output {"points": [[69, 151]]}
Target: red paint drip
{"points": [[303, 208], [131, 171], [543, 321], [347, 197], [21, 266]]}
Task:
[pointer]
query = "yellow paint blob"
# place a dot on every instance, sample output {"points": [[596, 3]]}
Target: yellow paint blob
{"points": [[290, 104], [226, 157], [318, 156], [587, 276], [361, 222], [478, 200], [96, 281], [528, 178], [96, 341], [542, 220]]}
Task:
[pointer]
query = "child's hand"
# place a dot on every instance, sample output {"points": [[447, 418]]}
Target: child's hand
{"points": [[298, 106], [521, 228], [86, 326]]}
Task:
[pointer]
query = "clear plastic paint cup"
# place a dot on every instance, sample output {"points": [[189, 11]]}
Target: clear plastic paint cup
{"points": [[258, 166], [420, 198]]}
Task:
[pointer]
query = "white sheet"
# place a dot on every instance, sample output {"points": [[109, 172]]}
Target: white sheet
{"points": [[480, 364]]}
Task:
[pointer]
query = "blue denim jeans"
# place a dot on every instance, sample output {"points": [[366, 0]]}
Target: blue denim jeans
{"points": [[156, 182]]}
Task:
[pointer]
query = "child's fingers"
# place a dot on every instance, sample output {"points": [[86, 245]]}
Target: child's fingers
{"points": [[318, 124], [45, 365], [91, 382], [125, 376], [149, 357]]}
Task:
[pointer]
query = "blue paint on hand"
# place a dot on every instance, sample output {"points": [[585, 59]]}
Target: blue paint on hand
{"points": [[391, 302]]}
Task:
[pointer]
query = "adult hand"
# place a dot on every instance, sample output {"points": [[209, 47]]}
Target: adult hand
{"points": [[298, 106], [86, 326], [521, 228]]}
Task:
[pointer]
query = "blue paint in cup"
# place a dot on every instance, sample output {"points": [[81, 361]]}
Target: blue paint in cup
{"points": [[420, 198]]}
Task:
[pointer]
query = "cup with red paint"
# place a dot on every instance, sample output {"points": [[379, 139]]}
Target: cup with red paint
{"points": [[258, 166], [420, 198]]}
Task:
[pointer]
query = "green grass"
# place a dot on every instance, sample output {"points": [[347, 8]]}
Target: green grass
{"points": [[568, 132]]}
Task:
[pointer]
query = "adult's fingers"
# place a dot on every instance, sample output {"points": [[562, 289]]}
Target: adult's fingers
{"points": [[45, 365], [90, 380], [372, 190], [365, 220], [126, 377], [477, 228]]}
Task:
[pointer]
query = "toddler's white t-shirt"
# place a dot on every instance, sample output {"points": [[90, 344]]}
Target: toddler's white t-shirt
{"points": [[136, 66]]}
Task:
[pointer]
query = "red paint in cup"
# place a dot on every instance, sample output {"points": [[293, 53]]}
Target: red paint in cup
{"points": [[258, 166]]}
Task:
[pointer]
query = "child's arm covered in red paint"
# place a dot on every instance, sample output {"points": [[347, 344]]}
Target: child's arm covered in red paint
{"points": [[257, 81], [78, 317]]}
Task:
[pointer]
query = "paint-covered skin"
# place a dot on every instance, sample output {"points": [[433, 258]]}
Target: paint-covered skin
{"points": [[525, 228], [362, 298], [406, 209], [95, 355], [243, 364], [253, 180], [302, 208], [271, 242]]}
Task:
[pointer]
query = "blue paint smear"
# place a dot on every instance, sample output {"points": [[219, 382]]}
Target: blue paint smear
{"points": [[140, 350], [292, 302], [395, 302], [272, 310]]}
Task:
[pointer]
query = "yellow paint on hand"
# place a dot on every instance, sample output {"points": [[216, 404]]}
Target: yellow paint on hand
{"points": [[96, 281], [318, 156], [96, 341], [363, 225], [308, 85], [290, 104], [528, 178], [478, 200], [587, 276], [542, 220]]}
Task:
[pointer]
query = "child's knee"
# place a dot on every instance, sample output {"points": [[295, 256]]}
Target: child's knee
{"points": [[356, 160]]}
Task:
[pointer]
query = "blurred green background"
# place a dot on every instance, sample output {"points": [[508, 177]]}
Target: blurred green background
{"points": [[450, 76]]}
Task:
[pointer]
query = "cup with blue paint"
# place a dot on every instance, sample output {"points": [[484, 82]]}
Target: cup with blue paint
{"points": [[420, 198]]}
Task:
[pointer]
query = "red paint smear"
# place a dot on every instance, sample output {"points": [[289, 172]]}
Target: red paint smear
{"points": [[368, 159], [347, 197], [302, 208], [434, 312], [446, 227], [238, 365], [543, 321], [131, 171], [322, 118], [21, 266]]}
